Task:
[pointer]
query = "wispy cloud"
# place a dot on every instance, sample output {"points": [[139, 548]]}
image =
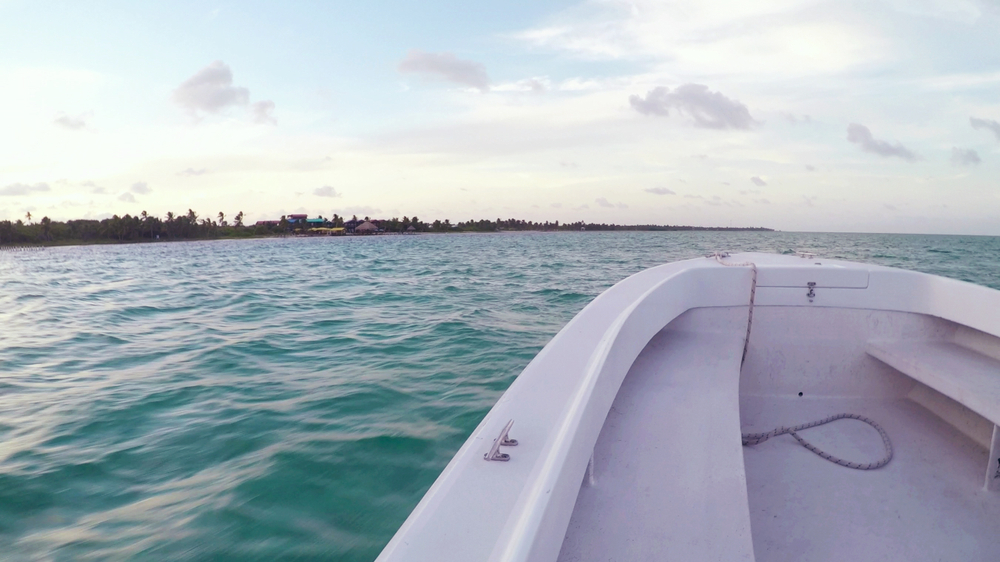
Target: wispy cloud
{"points": [[447, 66], [603, 202], [538, 85], [140, 187], [758, 182], [193, 172], [77, 123], [16, 189], [325, 191], [862, 136], [988, 124], [262, 112], [94, 188], [964, 157], [710, 110], [127, 197], [659, 191]]}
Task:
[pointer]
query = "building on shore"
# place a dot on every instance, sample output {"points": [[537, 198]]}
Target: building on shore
{"points": [[366, 228]]}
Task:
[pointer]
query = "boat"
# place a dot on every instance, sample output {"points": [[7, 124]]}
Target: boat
{"points": [[739, 407]]}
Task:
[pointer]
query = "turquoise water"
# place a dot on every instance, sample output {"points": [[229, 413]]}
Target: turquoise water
{"points": [[294, 398]]}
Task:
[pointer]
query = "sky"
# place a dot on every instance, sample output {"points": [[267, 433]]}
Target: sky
{"points": [[867, 116]]}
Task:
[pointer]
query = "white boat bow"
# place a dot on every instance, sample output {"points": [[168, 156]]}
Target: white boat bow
{"points": [[628, 425]]}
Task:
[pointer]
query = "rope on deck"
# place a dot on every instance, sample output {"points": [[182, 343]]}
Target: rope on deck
{"points": [[750, 439], [753, 292]]}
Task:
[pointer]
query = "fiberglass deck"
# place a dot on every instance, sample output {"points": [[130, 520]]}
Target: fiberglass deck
{"points": [[927, 504], [657, 482]]}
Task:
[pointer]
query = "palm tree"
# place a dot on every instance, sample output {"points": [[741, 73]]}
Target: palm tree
{"points": [[192, 223], [145, 219], [238, 220], [170, 223], [28, 216], [46, 224], [222, 219]]}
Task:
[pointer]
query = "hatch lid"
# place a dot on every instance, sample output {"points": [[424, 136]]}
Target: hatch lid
{"points": [[828, 275]]}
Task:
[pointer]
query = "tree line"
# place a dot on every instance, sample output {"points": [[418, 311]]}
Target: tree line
{"points": [[189, 226], [124, 228]]}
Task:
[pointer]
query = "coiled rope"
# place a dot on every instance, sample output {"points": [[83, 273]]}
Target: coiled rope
{"points": [[750, 439]]}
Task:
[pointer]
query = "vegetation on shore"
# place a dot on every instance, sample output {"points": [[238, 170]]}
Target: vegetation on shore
{"points": [[189, 226]]}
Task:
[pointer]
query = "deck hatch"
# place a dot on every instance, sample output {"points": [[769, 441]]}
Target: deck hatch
{"points": [[821, 276]]}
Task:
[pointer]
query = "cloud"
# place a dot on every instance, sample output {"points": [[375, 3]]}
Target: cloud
{"points": [[538, 85], [795, 119], [659, 191], [210, 90], [710, 110], [72, 123], [193, 172], [988, 124], [94, 187], [758, 182], [447, 66], [556, 205], [964, 157], [15, 189], [861, 135], [326, 191], [535, 85], [262, 111], [810, 168], [140, 187], [127, 197], [762, 201], [602, 202], [888, 207]]}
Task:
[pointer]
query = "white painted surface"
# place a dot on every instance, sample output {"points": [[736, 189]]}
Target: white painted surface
{"points": [[520, 510], [971, 424], [970, 378], [927, 505], [669, 478], [993, 463]]}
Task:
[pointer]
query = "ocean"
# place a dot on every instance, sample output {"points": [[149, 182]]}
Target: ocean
{"points": [[292, 399]]}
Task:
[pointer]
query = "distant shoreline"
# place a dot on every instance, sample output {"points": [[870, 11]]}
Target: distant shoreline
{"points": [[145, 228], [5, 247]]}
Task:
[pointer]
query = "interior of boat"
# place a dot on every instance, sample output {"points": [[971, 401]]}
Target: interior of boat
{"points": [[670, 468]]}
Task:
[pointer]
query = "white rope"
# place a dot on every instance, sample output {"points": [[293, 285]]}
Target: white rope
{"points": [[750, 439], [753, 292]]}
